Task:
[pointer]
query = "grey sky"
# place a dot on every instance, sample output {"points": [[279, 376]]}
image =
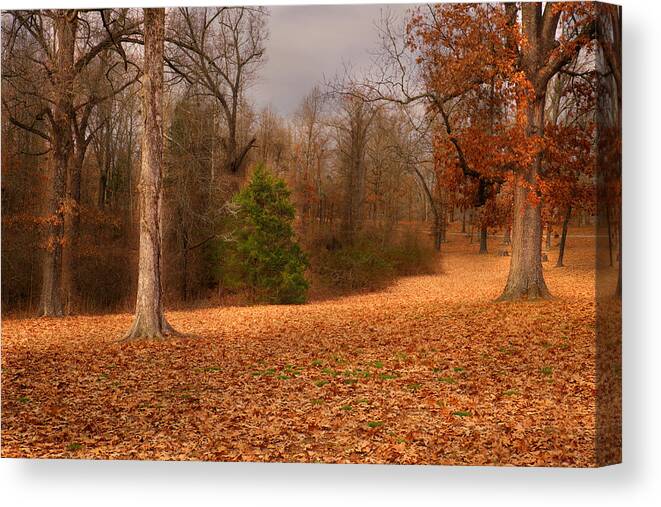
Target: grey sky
{"points": [[309, 42]]}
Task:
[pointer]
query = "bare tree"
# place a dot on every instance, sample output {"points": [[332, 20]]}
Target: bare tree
{"points": [[149, 321], [415, 149], [218, 51], [47, 64], [312, 140], [353, 129]]}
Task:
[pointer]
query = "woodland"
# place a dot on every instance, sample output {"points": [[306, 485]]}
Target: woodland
{"points": [[421, 264]]}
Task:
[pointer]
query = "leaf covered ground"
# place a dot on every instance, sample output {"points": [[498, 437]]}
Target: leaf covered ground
{"points": [[429, 370]]}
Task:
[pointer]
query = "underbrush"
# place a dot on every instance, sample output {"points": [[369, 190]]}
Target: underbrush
{"points": [[336, 266], [368, 262]]}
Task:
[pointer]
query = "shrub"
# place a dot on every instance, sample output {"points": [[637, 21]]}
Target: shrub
{"points": [[271, 262], [368, 263], [222, 264]]}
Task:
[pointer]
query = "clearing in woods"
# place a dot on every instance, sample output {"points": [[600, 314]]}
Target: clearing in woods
{"points": [[429, 370]]}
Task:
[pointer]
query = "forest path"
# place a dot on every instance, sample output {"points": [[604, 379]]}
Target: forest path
{"points": [[429, 370]]}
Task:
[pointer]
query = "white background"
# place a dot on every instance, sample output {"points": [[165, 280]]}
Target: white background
{"points": [[636, 482]]}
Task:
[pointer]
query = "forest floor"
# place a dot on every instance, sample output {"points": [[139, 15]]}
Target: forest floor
{"points": [[429, 370]]}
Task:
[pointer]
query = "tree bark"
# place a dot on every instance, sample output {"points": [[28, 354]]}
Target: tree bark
{"points": [[526, 276], [483, 239], [438, 231], [471, 225], [51, 287], [149, 321], [563, 238], [507, 235], [61, 143], [184, 275], [72, 231], [101, 197]]}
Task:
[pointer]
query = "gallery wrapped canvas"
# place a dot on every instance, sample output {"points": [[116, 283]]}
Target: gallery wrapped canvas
{"points": [[337, 234]]}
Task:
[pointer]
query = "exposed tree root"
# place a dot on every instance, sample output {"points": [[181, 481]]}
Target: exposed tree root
{"points": [[140, 330], [536, 292]]}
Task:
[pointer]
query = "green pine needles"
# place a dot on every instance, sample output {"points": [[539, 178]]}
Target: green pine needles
{"points": [[272, 263]]}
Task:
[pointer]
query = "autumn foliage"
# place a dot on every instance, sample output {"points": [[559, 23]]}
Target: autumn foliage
{"points": [[309, 286]]}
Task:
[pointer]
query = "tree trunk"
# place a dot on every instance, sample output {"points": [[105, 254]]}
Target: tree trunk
{"points": [[507, 235], [618, 289], [540, 62], [444, 225], [51, 287], [610, 235], [438, 231], [213, 145], [72, 232], [483, 239], [184, 263], [149, 319], [101, 198], [526, 277], [61, 139], [230, 148], [235, 157], [563, 238], [76, 184], [129, 172], [549, 232], [184, 275]]}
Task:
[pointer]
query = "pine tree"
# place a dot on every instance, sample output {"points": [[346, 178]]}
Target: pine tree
{"points": [[272, 262]]}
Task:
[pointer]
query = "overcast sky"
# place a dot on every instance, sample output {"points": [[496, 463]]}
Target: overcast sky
{"points": [[308, 43]]}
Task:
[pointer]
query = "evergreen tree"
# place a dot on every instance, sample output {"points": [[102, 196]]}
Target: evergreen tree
{"points": [[272, 262]]}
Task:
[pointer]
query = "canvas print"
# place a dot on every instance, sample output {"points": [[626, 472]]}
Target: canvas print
{"points": [[323, 234]]}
